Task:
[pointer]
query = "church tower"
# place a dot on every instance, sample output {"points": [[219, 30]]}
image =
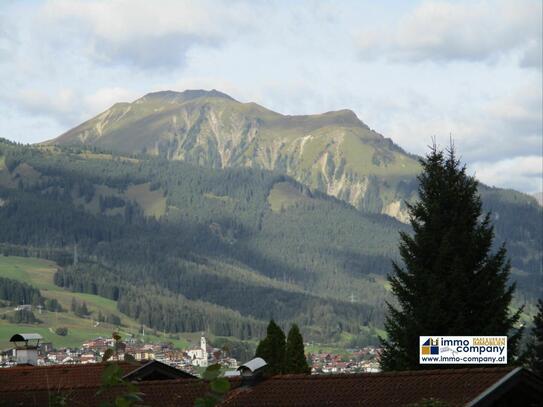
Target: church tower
{"points": [[203, 346]]}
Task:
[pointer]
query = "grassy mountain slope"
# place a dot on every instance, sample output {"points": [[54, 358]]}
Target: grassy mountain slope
{"points": [[333, 152], [39, 273]]}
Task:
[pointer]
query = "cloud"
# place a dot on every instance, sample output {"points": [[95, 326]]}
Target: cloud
{"points": [[486, 129], [146, 34], [106, 97], [27, 128], [509, 126], [497, 135], [525, 173], [41, 103], [470, 31], [521, 111], [8, 38], [67, 106], [533, 54]]}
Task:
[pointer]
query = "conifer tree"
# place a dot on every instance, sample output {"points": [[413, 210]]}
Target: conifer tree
{"points": [[450, 282], [295, 360], [83, 310], [536, 362], [272, 349]]}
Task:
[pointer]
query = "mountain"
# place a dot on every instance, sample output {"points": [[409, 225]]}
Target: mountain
{"points": [[333, 152], [194, 212], [181, 248]]}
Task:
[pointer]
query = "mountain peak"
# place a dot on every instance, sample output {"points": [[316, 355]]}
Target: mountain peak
{"points": [[346, 116], [189, 94], [334, 152]]}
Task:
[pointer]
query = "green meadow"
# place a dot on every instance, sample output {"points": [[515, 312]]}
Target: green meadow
{"points": [[39, 273]]}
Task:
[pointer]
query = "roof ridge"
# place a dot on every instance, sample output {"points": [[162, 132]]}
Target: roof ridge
{"points": [[181, 380], [62, 366], [427, 372]]}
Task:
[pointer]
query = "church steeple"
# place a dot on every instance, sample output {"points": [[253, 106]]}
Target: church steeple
{"points": [[203, 344]]}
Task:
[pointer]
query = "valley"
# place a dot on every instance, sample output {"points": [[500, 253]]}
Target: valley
{"points": [[190, 212]]}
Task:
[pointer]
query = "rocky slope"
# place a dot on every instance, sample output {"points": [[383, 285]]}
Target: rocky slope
{"points": [[333, 152]]}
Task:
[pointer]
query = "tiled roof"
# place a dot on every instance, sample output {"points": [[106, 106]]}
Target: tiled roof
{"points": [[455, 386], [162, 393], [154, 370], [55, 377]]}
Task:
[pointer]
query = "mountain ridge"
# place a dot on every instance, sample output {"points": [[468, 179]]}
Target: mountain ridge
{"points": [[334, 152]]}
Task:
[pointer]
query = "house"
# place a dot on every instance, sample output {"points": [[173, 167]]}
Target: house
{"points": [[77, 384], [144, 355], [6, 356], [475, 387], [155, 370], [100, 344], [88, 357], [23, 307], [45, 347], [26, 347]]}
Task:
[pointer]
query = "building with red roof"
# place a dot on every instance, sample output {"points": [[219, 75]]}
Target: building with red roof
{"points": [[78, 385]]}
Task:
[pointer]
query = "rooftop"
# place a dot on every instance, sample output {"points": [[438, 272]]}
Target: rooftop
{"points": [[78, 376], [456, 387], [25, 337], [19, 378]]}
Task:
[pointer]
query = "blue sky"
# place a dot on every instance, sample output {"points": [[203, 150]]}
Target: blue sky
{"points": [[410, 70]]}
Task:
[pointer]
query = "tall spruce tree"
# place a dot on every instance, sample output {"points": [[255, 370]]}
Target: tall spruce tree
{"points": [[272, 349], [450, 282], [536, 351], [295, 360]]}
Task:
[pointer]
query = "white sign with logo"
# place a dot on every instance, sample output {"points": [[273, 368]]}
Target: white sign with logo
{"points": [[478, 350]]}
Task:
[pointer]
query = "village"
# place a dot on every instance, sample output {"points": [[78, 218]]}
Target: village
{"points": [[364, 360], [92, 351], [192, 361], [271, 203]]}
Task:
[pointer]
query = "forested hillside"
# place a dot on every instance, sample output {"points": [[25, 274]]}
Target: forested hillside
{"points": [[187, 248], [213, 256]]}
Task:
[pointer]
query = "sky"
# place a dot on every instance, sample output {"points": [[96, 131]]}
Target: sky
{"points": [[466, 70]]}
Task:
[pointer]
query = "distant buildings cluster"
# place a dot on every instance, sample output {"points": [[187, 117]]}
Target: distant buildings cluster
{"points": [[93, 350], [363, 360], [190, 360]]}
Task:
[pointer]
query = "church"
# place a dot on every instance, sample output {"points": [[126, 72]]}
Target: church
{"points": [[199, 356]]}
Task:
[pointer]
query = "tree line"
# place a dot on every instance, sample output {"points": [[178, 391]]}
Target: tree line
{"points": [[17, 293]]}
